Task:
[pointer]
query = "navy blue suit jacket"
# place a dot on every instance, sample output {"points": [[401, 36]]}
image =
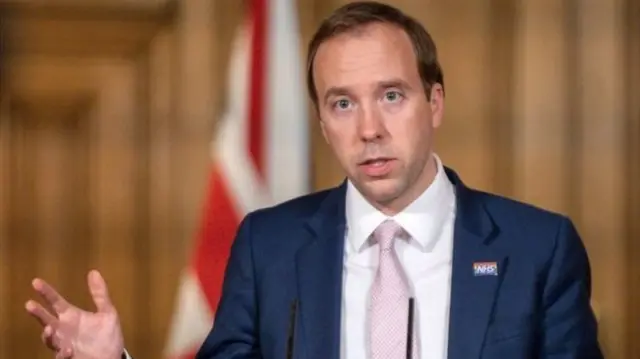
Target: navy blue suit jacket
{"points": [[537, 306]]}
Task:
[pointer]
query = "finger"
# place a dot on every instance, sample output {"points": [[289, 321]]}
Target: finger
{"points": [[57, 302], [48, 338], [99, 291], [42, 315], [65, 354]]}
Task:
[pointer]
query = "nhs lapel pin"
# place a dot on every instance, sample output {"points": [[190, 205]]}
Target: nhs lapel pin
{"points": [[485, 269]]}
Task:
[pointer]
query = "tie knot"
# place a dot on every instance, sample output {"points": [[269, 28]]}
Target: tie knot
{"points": [[386, 232]]}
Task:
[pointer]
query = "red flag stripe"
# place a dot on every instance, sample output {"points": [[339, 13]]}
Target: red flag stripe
{"points": [[216, 236], [259, 64]]}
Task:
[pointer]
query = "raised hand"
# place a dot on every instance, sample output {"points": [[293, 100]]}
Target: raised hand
{"points": [[72, 332]]}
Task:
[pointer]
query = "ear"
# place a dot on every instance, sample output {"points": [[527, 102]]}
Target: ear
{"points": [[437, 104]]}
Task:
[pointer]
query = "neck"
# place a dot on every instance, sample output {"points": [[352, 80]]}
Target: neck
{"points": [[424, 180]]}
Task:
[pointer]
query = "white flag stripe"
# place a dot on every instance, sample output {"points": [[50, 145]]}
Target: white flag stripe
{"points": [[230, 149], [192, 320], [287, 153]]}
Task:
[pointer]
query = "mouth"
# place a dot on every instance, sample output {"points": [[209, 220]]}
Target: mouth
{"points": [[377, 167], [375, 162]]}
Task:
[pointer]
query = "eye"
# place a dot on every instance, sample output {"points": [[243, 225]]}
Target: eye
{"points": [[392, 96], [342, 104]]}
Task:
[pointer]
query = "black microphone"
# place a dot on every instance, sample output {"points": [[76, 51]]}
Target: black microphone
{"points": [[410, 329], [292, 328]]}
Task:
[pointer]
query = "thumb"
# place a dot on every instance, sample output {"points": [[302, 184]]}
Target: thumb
{"points": [[99, 291]]}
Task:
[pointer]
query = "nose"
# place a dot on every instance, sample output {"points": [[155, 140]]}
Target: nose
{"points": [[370, 125]]}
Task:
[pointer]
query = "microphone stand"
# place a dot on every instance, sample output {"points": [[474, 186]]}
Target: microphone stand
{"points": [[410, 329], [292, 329]]}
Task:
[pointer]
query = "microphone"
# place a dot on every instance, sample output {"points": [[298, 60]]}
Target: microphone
{"points": [[292, 329], [410, 329]]}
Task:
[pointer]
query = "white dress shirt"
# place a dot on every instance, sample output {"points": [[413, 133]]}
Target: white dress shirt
{"points": [[426, 259]]}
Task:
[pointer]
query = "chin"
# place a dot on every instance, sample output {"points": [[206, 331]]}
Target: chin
{"points": [[382, 190]]}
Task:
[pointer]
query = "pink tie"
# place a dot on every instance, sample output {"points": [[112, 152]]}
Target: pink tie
{"points": [[389, 307]]}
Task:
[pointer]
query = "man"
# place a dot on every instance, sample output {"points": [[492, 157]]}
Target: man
{"points": [[402, 259]]}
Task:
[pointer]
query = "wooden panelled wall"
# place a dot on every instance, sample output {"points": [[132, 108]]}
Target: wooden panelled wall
{"points": [[542, 105]]}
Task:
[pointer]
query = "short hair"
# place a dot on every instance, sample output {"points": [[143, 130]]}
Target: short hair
{"points": [[356, 15]]}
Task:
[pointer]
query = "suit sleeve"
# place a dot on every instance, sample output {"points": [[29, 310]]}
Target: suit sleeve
{"points": [[234, 332], [569, 326]]}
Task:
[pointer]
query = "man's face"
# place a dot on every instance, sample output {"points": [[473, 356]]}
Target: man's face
{"points": [[375, 114]]}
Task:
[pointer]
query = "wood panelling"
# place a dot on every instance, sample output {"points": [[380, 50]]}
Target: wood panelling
{"points": [[104, 142], [540, 101], [22, 246], [499, 89], [5, 271], [464, 141], [196, 62], [165, 243], [38, 237], [632, 151], [119, 5], [33, 79], [51, 28], [603, 161]]}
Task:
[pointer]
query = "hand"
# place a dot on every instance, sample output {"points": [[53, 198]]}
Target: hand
{"points": [[73, 332]]}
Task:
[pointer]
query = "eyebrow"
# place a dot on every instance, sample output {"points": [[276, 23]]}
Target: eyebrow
{"points": [[395, 83]]}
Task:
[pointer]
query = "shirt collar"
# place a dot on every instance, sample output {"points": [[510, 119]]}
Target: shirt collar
{"points": [[422, 219]]}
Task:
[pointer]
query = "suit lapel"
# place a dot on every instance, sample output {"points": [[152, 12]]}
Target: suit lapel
{"points": [[473, 290], [319, 270]]}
